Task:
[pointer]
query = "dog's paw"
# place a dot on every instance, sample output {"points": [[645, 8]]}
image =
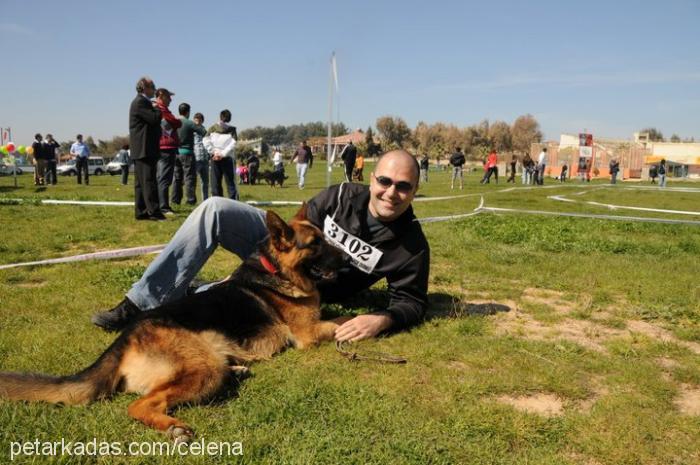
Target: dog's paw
{"points": [[240, 371], [180, 434]]}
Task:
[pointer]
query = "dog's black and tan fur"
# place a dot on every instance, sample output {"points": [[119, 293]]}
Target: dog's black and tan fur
{"points": [[185, 351]]}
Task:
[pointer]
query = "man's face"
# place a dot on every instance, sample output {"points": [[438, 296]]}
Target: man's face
{"points": [[150, 89], [387, 203], [165, 99], [198, 121]]}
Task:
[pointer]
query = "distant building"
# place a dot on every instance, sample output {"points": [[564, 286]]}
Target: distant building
{"points": [[635, 156]]}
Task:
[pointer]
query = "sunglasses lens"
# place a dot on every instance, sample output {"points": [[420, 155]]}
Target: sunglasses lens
{"points": [[384, 181], [403, 186]]}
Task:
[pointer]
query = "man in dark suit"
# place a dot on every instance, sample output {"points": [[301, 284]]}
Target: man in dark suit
{"points": [[349, 155], [144, 140]]}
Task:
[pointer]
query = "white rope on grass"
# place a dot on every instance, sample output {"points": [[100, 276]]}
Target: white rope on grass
{"points": [[104, 255]]}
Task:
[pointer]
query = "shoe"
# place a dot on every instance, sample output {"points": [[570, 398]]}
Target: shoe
{"points": [[167, 211], [158, 217], [117, 318]]}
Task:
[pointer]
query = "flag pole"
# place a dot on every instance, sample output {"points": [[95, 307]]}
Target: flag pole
{"points": [[330, 122]]}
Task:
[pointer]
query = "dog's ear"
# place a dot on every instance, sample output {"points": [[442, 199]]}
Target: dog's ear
{"points": [[281, 235], [301, 214]]}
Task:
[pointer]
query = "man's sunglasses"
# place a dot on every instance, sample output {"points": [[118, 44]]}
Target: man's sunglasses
{"points": [[386, 182]]}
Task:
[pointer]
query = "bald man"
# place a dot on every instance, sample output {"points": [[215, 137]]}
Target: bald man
{"points": [[387, 243]]}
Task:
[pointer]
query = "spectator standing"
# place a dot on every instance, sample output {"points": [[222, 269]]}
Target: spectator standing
{"points": [[144, 143], [304, 159], [277, 162], [253, 168], [513, 162], [562, 176], [359, 168], [614, 169], [541, 165], [424, 167], [80, 153], [39, 162], [653, 173], [349, 155], [124, 160], [528, 169], [662, 173], [169, 145], [220, 142], [51, 150], [491, 167], [185, 163], [457, 161], [201, 155]]}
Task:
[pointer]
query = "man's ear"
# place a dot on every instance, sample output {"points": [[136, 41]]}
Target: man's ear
{"points": [[301, 214], [281, 235]]}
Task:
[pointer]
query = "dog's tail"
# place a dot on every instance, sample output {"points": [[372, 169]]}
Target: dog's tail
{"points": [[98, 380]]}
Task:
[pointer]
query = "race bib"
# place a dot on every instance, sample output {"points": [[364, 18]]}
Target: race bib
{"points": [[364, 257]]}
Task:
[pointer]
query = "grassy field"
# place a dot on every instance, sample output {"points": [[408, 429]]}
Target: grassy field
{"points": [[550, 340]]}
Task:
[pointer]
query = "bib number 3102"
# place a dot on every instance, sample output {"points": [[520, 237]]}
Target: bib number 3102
{"points": [[363, 255]]}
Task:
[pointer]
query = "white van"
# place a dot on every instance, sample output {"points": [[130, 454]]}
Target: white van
{"points": [[96, 166]]}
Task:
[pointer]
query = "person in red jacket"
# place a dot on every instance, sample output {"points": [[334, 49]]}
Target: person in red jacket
{"points": [[169, 144], [491, 168]]}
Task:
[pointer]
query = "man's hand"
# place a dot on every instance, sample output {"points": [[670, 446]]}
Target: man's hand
{"points": [[363, 327]]}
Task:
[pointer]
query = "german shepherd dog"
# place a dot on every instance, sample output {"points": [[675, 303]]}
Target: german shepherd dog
{"points": [[187, 350], [273, 177]]}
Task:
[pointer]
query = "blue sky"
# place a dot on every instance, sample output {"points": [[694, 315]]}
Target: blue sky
{"points": [[608, 67]]}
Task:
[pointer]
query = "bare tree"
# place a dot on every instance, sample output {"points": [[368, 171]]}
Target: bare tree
{"points": [[525, 131], [394, 131], [500, 136]]}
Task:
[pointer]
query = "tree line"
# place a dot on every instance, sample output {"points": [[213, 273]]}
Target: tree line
{"points": [[435, 140]]}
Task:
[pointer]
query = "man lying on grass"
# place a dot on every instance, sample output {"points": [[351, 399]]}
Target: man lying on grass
{"points": [[374, 226]]}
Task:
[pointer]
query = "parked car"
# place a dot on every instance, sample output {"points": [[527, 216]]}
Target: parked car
{"points": [[6, 169], [114, 167], [96, 166]]}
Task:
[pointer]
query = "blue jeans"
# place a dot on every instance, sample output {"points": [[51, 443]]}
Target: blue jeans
{"points": [[166, 169], [236, 226], [203, 172], [301, 173], [662, 180]]}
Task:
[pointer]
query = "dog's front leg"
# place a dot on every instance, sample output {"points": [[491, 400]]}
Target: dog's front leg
{"points": [[319, 332]]}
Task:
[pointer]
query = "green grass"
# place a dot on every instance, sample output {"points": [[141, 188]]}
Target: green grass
{"points": [[442, 407]]}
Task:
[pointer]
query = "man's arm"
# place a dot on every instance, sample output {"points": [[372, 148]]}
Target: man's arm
{"points": [[147, 113]]}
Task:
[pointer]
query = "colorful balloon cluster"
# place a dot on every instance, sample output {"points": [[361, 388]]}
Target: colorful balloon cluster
{"points": [[10, 148]]}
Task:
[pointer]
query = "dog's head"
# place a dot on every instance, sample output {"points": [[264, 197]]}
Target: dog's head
{"points": [[301, 250]]}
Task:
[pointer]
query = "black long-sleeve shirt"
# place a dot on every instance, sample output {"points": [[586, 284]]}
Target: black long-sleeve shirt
{"points": [[405, 262]]}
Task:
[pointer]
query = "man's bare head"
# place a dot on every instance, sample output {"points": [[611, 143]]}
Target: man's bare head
{"points": [[394, 184]]}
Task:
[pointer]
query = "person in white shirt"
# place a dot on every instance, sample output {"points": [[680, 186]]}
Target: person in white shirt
{"points": [[277, 163], [541, 163], [220, 142]]}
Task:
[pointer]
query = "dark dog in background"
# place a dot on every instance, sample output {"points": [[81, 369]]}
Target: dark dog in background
{"points": [[187, 350], [273, 177]]}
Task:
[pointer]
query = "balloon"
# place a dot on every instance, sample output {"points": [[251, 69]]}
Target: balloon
{"points": [[22, 149], [30, 150], [3, 150], [10, 147]]}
